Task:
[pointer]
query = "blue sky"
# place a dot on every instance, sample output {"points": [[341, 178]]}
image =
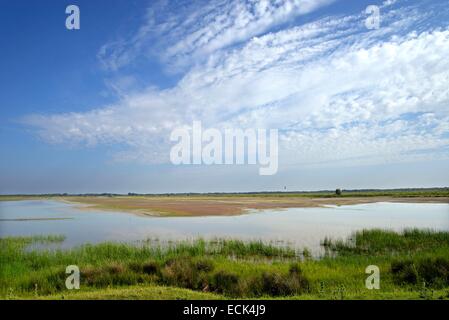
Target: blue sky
{"points": [[91, 110]]}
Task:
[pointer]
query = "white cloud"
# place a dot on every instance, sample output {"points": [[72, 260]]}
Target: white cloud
{"points": [[338, 93], [192, 30]]}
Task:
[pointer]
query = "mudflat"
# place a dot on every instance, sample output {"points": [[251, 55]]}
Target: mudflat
{"points": [[223, 205]]}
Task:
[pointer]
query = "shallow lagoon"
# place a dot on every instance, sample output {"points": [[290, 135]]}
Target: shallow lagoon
{"points": [[299, 227]]}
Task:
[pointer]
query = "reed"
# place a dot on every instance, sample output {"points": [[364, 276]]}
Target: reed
{"points": [[233, 268]]}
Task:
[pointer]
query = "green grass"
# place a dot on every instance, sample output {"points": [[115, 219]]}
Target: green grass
{"points": [[136, 292], [413, 265], [384, 242]]}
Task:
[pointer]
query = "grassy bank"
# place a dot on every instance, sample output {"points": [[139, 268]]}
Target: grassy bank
{"points": [[413, 265]]}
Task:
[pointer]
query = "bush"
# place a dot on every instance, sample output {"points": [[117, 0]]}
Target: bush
{"points": [[115, 269], [185, 273], [151, 267], [136, 267], [226, 283], [204, 265], [112, 274], [404, 272], [90, 275], [433, 272], [278, 284], [46, 284], [295, 269]]}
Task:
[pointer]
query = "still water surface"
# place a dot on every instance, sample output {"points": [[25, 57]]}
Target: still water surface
{"points": [[300, 227]]}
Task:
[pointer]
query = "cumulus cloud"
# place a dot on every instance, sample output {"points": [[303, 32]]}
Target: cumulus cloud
{"points": [[337, 92]]}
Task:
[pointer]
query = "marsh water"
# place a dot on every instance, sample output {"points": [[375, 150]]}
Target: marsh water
{"points": [[299, 227]]}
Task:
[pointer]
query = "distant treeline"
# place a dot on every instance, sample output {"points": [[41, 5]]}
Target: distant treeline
{"points": [[402, 192]]}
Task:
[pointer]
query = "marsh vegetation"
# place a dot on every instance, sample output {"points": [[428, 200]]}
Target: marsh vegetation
{"points": [[414, 264]]}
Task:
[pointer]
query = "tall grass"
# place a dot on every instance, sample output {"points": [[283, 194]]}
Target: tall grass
{"points": [[235, 268], [378, 241], [186, 265]]}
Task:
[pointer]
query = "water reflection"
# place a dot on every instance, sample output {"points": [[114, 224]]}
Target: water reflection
{"points": [[299, 227]]}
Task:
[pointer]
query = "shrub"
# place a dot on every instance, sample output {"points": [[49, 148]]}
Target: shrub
{"points": [[431, 271], [115, 269], [45, 284], [185, 273], [204, 265], [404, 272], [90, 275], [112, 274], [435, 271], [136, 267], [278, 284], [151, 267], [226, 283], [295, 269]]}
